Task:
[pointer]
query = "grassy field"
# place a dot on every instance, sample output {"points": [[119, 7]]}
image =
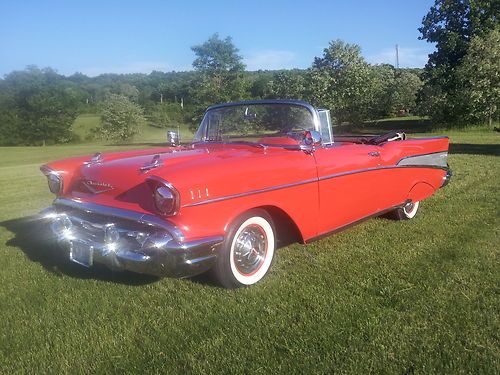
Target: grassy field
{"points": [[413, 297], [84, 123]]}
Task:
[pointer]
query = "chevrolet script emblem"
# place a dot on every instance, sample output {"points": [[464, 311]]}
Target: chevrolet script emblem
{"points": [[97, 187]]}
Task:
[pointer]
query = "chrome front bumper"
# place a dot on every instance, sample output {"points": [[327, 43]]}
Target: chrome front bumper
{"points": [[127, 240]]}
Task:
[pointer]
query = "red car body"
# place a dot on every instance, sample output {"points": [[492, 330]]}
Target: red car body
{"points": [[316, 192]]}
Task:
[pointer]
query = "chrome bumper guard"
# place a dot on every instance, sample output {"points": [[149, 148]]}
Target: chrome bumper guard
{"points": [[127, 240], [447, 177]]}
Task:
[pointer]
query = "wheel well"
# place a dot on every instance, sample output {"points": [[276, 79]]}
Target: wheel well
{"points": [[287, 231]]}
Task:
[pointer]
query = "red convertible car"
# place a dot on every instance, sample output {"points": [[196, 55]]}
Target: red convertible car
{"points": [[256, 172]]}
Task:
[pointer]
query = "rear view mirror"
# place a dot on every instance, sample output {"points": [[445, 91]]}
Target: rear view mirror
{"points": [[310, 141], [173, 138]]}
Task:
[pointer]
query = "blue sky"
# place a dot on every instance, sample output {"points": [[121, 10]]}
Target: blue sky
{"points": [[95, 37]]}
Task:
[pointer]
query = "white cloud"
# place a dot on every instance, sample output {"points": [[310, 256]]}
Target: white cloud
{"points": [[408, 57], [133, 67], [270, 60]]}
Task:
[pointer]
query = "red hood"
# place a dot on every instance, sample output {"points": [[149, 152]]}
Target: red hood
{"points": [[199, 172]]}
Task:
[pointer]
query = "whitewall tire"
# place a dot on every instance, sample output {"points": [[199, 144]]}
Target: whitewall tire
{"points": [[406, 212], [248, 250]]}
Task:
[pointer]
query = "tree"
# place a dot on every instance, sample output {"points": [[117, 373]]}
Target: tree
{"points": [[451, 25], [38, 106], [288, 84], [479, 74], [220, 67], [120, 118], [341, 81]]}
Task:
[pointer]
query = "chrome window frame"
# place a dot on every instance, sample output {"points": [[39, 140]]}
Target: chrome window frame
{"points": [[298, 103], [330, 131]]}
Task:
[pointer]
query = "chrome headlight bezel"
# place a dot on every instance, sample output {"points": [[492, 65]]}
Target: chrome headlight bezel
{"points": [[166, 198], [54, 180]]}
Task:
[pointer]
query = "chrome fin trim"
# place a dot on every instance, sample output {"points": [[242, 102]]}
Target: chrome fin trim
{"points": [[437, 159]]}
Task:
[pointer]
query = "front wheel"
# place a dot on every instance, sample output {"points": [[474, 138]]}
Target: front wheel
{"points": [[247, 252], [406, 212]]}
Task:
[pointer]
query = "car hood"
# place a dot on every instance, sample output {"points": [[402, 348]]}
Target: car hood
{"points": [[198, 172]]}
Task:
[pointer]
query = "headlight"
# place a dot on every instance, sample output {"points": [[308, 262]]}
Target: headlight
{"points": [[165, 196], [54, 180]]}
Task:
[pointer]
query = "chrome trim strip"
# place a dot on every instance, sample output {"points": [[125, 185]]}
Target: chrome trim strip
{"points": [[121, 213], [431, 137], [239, 195], [432, 159], [379, 168], [335, 175]]}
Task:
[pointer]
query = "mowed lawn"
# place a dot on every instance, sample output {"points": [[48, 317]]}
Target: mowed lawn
{"points": [[418, 296]]}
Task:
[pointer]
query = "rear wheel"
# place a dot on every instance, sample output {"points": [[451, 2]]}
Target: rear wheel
{"points": [[406, 212], [247, 252]]}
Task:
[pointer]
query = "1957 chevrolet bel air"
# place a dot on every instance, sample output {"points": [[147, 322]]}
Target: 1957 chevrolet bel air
{"points": [[256, 172]]}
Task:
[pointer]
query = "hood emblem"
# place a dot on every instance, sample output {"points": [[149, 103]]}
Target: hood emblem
{"points": [[154, 163], [96, 187], [97, 158]]}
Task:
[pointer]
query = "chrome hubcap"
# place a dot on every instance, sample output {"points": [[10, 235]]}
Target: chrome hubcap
{"points": [[409, 207], [250, 249]]}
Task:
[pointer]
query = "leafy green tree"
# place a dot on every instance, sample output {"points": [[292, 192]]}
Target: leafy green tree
{"points": [[120, 118], [288, 84], [39, 106], [451, 25], [480, 77], [220, 67], [341, 81]]}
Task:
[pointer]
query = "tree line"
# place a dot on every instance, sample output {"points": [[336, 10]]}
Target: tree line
{"points": [[459, 85]]}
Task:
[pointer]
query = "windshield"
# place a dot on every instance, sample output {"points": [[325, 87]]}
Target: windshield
{"points": [[259, 123]]}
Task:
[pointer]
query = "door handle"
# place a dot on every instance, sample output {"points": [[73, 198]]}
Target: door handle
{"points": [[374, 153]]}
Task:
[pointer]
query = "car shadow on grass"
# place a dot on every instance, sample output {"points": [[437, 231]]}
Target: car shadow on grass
{"points": [[475, 149], [32, 237]]}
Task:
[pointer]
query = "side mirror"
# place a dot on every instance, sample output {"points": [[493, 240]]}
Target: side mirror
{"points": [[311, 140], [173, 138]]}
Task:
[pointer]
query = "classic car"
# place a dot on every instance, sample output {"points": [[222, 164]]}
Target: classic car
{"points": [[256, 172]]}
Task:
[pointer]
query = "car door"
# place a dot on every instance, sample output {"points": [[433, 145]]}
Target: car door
{"points": [[347, 183]]}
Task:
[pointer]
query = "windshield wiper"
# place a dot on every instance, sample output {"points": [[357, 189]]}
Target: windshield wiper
{"points": [[254, 144]]}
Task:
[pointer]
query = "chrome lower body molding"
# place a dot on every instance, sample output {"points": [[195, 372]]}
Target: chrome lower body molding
{"points": [[123, 244]]}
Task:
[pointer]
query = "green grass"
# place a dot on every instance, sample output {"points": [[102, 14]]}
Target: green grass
{"points": [[84, 123], [418, 296]]}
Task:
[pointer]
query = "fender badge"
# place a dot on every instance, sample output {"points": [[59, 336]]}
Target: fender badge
{"points": [[97, 187]]}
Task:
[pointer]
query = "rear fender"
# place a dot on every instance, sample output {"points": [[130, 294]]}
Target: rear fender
{"points": [[420, 191]]}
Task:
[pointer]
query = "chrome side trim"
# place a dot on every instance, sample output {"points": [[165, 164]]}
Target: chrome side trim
{"points": [[121, 213], [239, 195], [335, 175], [379, 168], [438, 159]]}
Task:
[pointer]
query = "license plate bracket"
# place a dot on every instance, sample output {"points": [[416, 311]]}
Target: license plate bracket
{"points": [[81, 253]]}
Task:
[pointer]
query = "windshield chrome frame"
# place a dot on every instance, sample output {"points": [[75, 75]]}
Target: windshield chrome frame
{"points": [[297, 103]]}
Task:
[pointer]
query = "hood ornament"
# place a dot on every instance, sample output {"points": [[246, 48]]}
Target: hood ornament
{"points": [[97, 187], [97, 158], [154, 163]]}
